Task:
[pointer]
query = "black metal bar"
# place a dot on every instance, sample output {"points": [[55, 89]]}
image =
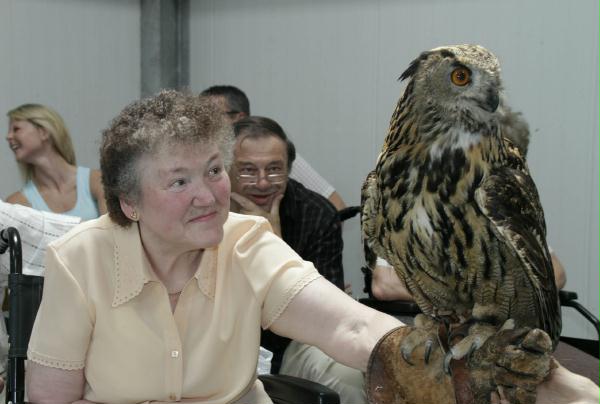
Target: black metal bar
{"points": [[15, 386], [569, 299], [11, 236]]}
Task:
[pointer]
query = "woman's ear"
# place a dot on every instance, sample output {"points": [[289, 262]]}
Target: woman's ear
{"points": [[128, 209], [44, 135]]}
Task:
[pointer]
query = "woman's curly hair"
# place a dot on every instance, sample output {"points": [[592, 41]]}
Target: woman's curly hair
{"points": [[144, 128]]}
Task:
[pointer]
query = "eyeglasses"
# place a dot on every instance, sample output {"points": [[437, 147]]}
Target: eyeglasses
{"points": [[231, 113], [253, 178]]}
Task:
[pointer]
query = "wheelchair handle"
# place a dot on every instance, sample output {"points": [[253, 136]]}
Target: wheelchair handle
{"points": [[10, 238]]}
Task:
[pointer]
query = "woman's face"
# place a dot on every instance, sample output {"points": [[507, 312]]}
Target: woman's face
{"points": [[184, 198], [24, 139]]}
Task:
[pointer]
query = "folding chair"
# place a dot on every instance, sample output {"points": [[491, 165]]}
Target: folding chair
{"points": [[25, 295]]}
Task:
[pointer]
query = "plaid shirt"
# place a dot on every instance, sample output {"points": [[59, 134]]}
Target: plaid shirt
{"points": [[311, 226]]}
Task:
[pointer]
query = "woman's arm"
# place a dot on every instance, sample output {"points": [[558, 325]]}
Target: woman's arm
{"points": [[324, 316], [52, 385], [18, 198], [97, 190]]}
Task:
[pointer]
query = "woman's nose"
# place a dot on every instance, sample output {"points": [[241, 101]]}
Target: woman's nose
{"points": [[203, 196]]}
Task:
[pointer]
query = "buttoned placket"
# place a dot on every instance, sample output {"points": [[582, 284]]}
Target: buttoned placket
{"points": [[173, 352], [130, 283]]}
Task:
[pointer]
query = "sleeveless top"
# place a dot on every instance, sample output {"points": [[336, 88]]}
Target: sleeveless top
{"points": [[86, 206]]}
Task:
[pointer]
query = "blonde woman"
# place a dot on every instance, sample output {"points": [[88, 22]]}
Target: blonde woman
{"points": [[42, 146]]}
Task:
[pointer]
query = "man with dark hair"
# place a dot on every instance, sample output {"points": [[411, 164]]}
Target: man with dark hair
{"points": [[308, 222], [231, 100], [235, 104]]}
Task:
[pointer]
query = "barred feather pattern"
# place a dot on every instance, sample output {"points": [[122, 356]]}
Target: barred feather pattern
{"points": [[452, 206]]}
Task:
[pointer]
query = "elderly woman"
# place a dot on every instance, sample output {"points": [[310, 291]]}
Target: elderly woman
{"points": [[162, 299]]}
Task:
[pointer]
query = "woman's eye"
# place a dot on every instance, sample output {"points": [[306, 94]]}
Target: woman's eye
{"points": [[461, 76], [215, 171], [178, 183]]}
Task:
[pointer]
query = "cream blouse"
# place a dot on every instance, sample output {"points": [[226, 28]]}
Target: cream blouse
{"points": [[105, 311]]}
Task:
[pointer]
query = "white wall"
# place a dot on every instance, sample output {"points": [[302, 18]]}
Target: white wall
{"points": [[326, 70], [81, 58]]}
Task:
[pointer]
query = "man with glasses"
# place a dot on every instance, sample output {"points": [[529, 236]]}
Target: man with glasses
{"points": [[234, 103], [308, 222]]}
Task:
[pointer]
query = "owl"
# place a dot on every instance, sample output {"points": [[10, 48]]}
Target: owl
{"points": [[451, 204]]}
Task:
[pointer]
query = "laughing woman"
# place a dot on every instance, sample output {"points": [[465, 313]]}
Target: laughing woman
{"points": [[43, 149]]}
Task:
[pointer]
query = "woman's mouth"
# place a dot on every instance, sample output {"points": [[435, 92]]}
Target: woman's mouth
{"points": [[204, 217]]}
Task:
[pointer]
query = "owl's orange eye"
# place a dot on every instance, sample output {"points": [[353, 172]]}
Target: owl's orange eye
{"points": [[461, 76]]}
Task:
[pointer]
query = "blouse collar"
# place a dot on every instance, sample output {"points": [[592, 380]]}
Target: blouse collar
{"points": [[133, 271]]}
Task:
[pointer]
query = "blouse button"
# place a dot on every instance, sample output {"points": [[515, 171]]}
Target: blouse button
{"points": [[174, 354]]}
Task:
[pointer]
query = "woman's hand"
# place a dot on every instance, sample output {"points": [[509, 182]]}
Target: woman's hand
{"points": [[562, 387], [566, 387]]}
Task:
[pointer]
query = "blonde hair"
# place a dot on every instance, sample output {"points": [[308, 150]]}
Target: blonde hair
{"points": [[48, 119]]}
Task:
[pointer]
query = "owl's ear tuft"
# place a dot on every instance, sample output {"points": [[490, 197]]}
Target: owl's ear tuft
{"points": [[414, 65]]}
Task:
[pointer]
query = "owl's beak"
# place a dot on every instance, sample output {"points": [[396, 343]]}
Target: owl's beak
{"points": [[491, 101]]}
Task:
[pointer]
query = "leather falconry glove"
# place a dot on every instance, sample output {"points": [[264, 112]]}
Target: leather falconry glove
{"points": [[512, 362]]}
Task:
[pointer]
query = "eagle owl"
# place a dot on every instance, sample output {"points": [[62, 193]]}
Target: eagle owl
{"points": [[451, 204]]}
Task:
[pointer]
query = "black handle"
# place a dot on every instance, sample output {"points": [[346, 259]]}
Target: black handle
{"points": [[10, 237]]}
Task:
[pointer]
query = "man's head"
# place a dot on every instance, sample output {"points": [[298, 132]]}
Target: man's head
{"points": [[230, 100], [263, 157]]}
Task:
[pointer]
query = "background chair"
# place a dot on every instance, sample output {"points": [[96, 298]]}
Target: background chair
{"points": [[569, 299], [25, 295]]}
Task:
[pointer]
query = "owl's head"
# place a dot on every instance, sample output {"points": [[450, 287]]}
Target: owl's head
{"points": [[458, 81]]}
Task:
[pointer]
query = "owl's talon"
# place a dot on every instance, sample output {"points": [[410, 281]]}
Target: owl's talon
{"points": [[422, 340], [472, 349], [428, 348], [447, 359], [406, 356], [458, 333]]}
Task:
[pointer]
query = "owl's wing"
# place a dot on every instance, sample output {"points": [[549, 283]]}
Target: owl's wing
{"points": [[509, 198], [368, 218]]}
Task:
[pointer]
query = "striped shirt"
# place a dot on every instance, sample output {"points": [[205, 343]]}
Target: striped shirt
{"points": [[36, 229]]}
